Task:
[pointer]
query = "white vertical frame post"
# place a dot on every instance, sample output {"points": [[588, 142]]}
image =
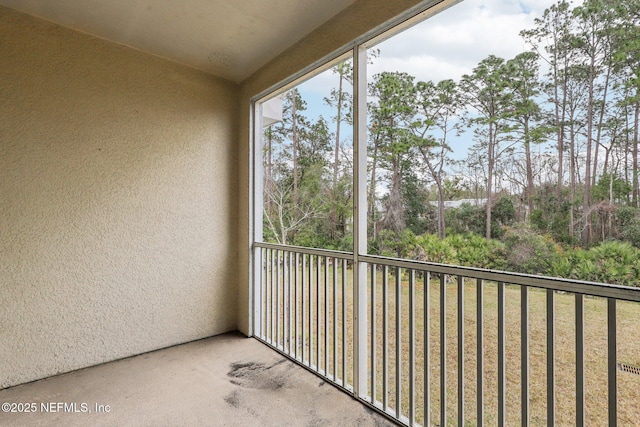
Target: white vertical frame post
{"points": [[360, 220], [255, 232]]}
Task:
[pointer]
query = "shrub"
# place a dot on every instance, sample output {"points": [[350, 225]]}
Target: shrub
{"points": [[617, 263], [552, 213], [476, 251], [465, 219], [503, 211], [612, 262], [429, 247], [473, 219], [394, 244], [529, 252], [628, 221], [607, 182]]}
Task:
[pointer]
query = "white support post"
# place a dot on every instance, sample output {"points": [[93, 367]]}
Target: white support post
{"points": [[255, 232], [360, 220]]}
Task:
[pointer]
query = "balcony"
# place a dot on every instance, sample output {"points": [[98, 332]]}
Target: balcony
{"points": [[126, 226], [520, 350]]}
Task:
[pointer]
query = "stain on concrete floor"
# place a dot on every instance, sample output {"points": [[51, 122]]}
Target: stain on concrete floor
{"points": [[259, 376]]}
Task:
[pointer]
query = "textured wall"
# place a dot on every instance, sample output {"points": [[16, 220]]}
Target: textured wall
{"points": [[117, 201], [358, 19]]}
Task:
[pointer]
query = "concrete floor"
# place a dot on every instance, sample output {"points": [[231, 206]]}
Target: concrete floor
{"points": [[226, 380]]}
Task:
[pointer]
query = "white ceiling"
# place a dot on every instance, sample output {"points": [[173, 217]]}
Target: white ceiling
{"points": [[227, 38]]}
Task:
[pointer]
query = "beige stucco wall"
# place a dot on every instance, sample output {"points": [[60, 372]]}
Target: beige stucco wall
{"points": [[358, 19], [117, 201]]}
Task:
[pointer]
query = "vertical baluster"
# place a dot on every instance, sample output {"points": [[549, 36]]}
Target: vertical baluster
{"points": [[460, 351], [580, 360], [311, 304], [412, 347], [551, 357], [284, 289], [344, 323], [524, 355], [271, 294], [318, 313], [326, 316], [278, 284], [480, 351], [373, 333], [296, 283], [443, 350], [427, 348], [398, 342], [286, 297], [285, 301], [303, 290], [502, 392], [263, 294], [291, 302], [612, 362], [335, 319], [385, 337]]}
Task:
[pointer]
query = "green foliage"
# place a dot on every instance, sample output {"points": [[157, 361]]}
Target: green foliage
{"points": [[551, 216], [528, 252], [503, 211], [472, 219], [611, 262], [473, 250], [626, 215], [465, 219], [420, 215], [429, 247], [613, 184], [628, 220], [458, 249], [394, 244]]}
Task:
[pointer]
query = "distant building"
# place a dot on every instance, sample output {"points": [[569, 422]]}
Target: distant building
{"points": [[449, 204]]}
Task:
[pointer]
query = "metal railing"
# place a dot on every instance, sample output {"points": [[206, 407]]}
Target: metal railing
{"points": [[452, 345], [305, 309]]}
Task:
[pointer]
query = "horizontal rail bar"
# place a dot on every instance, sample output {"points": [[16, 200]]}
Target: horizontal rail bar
{"points": [[309, 251], [626, 293]]}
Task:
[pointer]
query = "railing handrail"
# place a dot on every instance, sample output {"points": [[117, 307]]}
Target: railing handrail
{"points": [[309, 251], [626, 293]]}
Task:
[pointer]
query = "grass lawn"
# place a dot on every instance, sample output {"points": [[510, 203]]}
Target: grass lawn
{"points": [[595, 348]]}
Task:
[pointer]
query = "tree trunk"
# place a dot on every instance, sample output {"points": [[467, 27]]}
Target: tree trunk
{"points": [[599, 128], [372, 191], [560, 123], [527, 150], [636, 126], [572, 181], [294, 137], [490, 180], [393, 219], [336, 161], [268, 173], [442, 233], [586, 231]]}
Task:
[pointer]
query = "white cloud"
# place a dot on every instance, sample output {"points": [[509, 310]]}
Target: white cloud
{"points": [[453, 42]]}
